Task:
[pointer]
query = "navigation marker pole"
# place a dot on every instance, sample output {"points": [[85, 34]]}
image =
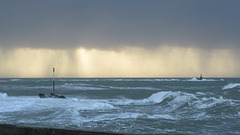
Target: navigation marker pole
{"points": [[53, 81], [52, 95]]}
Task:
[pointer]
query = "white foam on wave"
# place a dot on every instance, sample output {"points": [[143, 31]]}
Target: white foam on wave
{"points": [[176, 98], [167, 80], [200, 93], [204, 79], [231, 86], [179, 101], [134, 88], [205, 103], [34, 104], [49, 110], [160, 96], [133, 79], [153, 99], [15, 80], [13, 104], [103, 117], [119, 116], [77, 104], [144, 116], [99, 105], [150, 80], [80, 86], [3, 95]]}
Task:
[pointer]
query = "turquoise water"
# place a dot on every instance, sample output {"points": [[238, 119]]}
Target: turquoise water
{"points": [[127, 105]]}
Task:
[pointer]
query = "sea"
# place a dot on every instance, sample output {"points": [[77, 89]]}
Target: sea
{"points": [[125, 105]]}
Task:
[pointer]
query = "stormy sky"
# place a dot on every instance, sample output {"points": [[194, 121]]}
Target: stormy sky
{"points": [[114, 23], [122, 38]]}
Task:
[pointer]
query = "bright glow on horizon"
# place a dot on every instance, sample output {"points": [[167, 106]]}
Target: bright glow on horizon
{"points": [[128, 62]]}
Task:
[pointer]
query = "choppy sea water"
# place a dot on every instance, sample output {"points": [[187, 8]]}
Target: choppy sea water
{"points": [[126, 105]]}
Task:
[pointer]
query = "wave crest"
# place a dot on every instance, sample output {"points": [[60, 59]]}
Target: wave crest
{"points": [[231, 86], [3, 95], [204, 80]]}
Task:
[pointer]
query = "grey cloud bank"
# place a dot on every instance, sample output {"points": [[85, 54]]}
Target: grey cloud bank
{"points": [[112, 24]]}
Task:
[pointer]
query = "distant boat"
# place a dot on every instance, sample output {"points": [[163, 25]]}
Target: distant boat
{"points": [[52, 95], [200, 78]]}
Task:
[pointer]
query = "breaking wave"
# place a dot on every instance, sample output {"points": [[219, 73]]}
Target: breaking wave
{"points": [[29, 104], [173, 98], [231, 86], [207, 80], [171, 101], [163, 105], [3, 95], [177, 99]]}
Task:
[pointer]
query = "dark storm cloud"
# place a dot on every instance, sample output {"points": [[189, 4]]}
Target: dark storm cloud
{"points": [[112, 23]]}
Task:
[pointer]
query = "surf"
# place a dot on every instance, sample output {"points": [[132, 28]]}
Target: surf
{"points": [[231, 86]]}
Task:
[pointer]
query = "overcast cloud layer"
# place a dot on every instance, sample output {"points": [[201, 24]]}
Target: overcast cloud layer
{"points": [[114, 23]]}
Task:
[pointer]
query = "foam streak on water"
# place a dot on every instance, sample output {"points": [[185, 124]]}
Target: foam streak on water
{"points": [[143, 106]]}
